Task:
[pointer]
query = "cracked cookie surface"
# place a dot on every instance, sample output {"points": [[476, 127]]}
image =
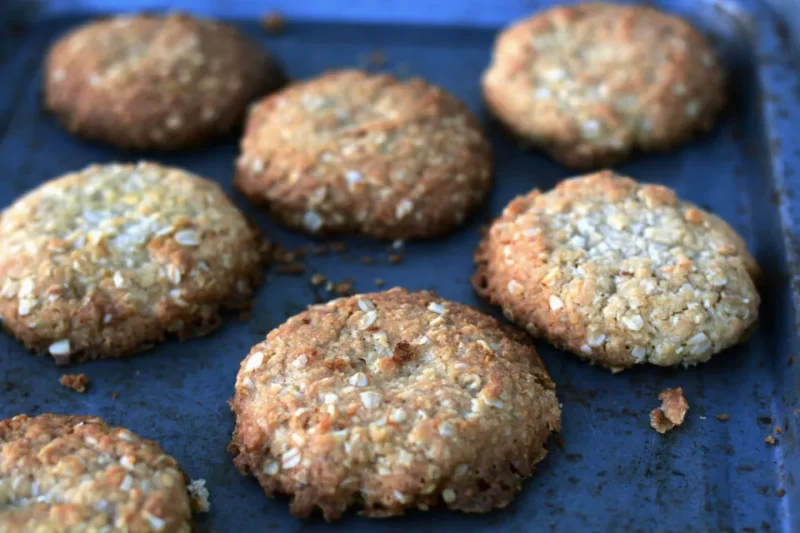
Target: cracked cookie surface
{"points": [[75, 474], [620, 273], [358, 153], [156, 82], [591, 83], [390, 401], [106, 261]]}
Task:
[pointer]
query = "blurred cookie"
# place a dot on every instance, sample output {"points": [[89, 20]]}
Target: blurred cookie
{"points": [[392, 401], [106, 261], [590, 83], [353, 152], [75, 473], [156, 82], [620, 273]]}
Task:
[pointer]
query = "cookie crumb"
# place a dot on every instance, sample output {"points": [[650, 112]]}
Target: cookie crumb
{"points": [[317, 280], [778, 430], [338, 247], [198, 494], [292, 269], [367, 260], [344, 288], [76, 382], [274, 23], [379, 282], [672, 411], [114, 395], [395, 259], [376, 59], [724, 417], [780, 493], [770, 440]]}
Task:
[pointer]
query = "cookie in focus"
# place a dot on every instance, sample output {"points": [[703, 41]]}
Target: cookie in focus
{"points": [[107, 261], [620, 273], [591, 83], [392, 401], [150, 82], [75, 473], [350, 152]]}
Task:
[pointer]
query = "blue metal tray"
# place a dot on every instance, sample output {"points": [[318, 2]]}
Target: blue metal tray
{"points": [[613, 473]]}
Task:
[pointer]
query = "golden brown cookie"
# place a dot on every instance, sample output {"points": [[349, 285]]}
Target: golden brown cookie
{"points": [[353, 152], [620, 273], [391, 401], [105, 262], [590, 83], [70, 474], [156, 82]]}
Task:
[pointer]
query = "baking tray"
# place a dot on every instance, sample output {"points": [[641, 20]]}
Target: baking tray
{"points": [[613, 472]]}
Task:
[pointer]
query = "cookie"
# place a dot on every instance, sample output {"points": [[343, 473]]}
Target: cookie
{"points": [[392, 401], [160, 83], [105, 262], [590, 83], [76, 474], [351, 152], [620, 273]]}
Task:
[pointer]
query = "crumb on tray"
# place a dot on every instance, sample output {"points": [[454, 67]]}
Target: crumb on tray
{"points": [[198, 493], [274, 22], [672, 411], [724, 417], [770, 440], [76, 382]]}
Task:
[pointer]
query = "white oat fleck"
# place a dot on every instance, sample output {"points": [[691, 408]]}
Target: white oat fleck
{"points": [[366, 305], [291, 458], [633, 322], [254, 362], [359, 379], [403, 208], [639, 353], [368, 319], [312, 221], [515, 287], [556, 303], [449, 495], [370, 399], [437, 308], [61, 347], [692, 108], [187, 237]]}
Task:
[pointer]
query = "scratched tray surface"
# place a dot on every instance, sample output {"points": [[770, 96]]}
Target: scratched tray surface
{"points": [[614, 472]]}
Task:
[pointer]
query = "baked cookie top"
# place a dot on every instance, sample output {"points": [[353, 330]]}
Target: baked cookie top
{"points": [[105, 261], [156, 82], [591, 82], [390, 401], [354, 152], [620, 273], [75, 473]]}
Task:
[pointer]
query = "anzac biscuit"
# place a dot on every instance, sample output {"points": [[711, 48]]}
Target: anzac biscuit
{"points": [[353, 152], [107, 261], [620, 273], [75, 474], [156, 82], [391, 401], [592, 82]]}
